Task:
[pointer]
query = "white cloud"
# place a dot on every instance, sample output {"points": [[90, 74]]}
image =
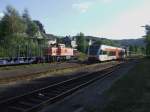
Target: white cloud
{"points": [[1, 14], [129, 23], [82, 7], [85, 6], [106, 1]]}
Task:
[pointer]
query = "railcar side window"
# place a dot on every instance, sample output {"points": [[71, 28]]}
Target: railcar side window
{"points": [[104, 52], [111, 53]]}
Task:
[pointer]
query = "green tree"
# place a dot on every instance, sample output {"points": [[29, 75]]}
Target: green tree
{"points": [[12, 22], [143, 50], [147, 39], [16, 32], [131, 49], [135, 48], [40, 26], [12, 30], [81, 42], [99, 42], [108, 42], [32, 28]]}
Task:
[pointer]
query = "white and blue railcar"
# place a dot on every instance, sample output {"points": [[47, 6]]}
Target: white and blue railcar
{"points": [[105, 53]]}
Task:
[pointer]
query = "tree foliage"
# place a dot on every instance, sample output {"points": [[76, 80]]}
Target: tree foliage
{"points": [[99, 42], [11, 23], [147, 39], [16, 34], [81, 42], [32, 28], [133, 49], [40, 26], [106, 42]]}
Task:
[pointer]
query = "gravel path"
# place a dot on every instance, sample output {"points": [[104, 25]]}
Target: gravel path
{"points": [[91, 98]]}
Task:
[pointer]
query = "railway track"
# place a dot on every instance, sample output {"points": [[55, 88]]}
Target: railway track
{"points": [[38, 99]]}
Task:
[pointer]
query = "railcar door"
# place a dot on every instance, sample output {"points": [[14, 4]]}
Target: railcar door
{"points": [[103, 55]]}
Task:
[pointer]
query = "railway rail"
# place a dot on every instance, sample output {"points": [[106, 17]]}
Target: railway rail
{"points": [[38, 99]]}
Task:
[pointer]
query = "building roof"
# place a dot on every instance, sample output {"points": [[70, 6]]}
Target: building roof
{"points": [[51, 37]]}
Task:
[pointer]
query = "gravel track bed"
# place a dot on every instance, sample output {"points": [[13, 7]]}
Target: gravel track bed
{"points": [[91, 98], [14, 89]]}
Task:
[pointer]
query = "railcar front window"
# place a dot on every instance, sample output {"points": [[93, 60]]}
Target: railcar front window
{"points": [[93, 50]]}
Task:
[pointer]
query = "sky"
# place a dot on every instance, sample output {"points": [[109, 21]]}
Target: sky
{"points": [[114, 19]]}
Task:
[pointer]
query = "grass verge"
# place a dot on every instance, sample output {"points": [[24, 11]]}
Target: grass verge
{"points": [[23, 66], [82, 56], [132, 92], [50, 72]]}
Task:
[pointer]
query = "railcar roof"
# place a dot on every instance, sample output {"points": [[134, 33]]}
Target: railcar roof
{"points": [[110, 47]]}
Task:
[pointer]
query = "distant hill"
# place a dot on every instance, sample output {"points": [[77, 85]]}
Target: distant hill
{"points": [[123, 42], [127, 42]]}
